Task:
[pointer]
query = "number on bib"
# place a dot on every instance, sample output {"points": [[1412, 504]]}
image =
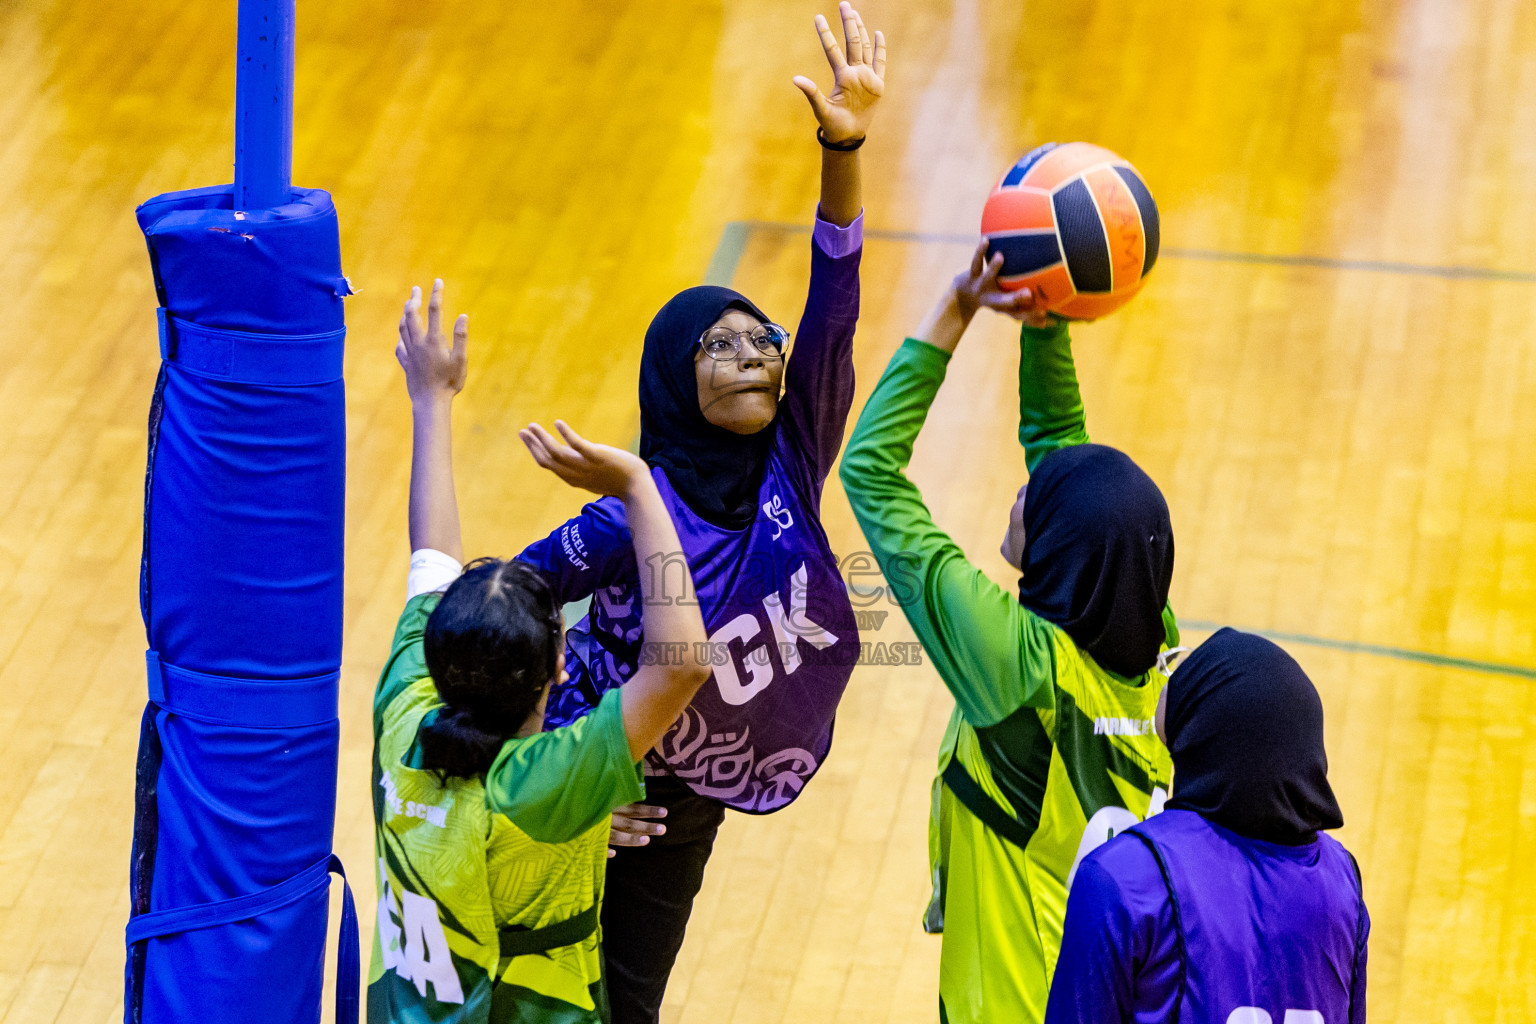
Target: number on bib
{"points": [[1254, 1015], [1249, 1015], [412, 944]]}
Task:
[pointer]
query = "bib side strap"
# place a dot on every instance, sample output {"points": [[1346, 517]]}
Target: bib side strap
{"points": [[522, 941], [1178, 918], [348, 952]]}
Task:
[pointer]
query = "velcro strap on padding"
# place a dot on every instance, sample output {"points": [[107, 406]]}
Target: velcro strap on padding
{"points": [[248, 357], [522, 941], [248, 703], [976, 800]]}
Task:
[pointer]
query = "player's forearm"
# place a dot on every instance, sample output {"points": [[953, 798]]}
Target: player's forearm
{"points": [[842, 192], [669, 618], [945, 323], [434, 507], [888, 506], [670, 623], [971, 629]]}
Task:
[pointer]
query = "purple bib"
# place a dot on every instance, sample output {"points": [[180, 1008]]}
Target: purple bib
{"points": [[1269, 932], [782, 643], [783, 639]]}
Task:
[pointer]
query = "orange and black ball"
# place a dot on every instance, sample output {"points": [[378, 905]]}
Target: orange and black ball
{"points": [[1076, 225]]}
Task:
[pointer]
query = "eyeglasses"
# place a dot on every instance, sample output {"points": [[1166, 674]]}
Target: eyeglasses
{"points": [[722, 343]]}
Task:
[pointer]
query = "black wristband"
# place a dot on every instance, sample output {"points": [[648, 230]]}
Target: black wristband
{"points": [[839, 147]]}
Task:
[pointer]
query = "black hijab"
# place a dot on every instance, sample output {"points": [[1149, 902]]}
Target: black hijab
{"points": [[1098, 554], [716, 471], [1245, 727]]}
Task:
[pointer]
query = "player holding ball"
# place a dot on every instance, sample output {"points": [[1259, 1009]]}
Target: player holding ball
{"points": [[1050, 749]]}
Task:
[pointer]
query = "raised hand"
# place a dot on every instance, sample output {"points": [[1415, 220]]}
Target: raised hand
{"points": [[598, 468], [858, 78], [977, 286], [432, 368]]}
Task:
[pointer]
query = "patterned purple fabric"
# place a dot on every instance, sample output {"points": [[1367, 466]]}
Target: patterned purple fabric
{"points": [[783, 639]]}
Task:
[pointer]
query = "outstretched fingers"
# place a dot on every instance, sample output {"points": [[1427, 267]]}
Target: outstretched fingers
{"points": [[1021, 301], [546, 451], [460, 351], [1022, 304], [867, 38], [435, 309], [880, 55], [989, 274], [410, 317], [535, 446], [979, 258], [561, 456], [852, 33], [829, 45]]}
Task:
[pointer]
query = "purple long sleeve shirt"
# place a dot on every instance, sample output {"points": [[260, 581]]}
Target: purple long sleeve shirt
{"points": [[782, 634], [1272, 934]]}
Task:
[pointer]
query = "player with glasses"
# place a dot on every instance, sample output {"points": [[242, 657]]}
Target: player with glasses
{"points": [[770, 341], [740, 440]]}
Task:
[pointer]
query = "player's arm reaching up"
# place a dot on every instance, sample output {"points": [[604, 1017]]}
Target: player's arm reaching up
{"points": [[819, 378], [657, 694], [435, 373], [991, 652], [1051, 412], [858, 76]]}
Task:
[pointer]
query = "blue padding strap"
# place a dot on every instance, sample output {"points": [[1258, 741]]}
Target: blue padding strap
{"points": [[246, 357], [248, 703], [155, 923], [348, 955], [158, 923]]}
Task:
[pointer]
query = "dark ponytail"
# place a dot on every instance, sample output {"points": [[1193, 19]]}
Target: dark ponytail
{"points": [[452, 744], [491, 646]]}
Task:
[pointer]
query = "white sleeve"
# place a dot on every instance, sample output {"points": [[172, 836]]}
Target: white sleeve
{"points": [[431, 571]]}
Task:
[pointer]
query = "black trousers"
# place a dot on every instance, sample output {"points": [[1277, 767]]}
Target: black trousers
{"points": [[648, 897]]}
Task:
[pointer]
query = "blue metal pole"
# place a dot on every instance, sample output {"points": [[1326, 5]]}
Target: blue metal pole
{"points": [[264, 104]]}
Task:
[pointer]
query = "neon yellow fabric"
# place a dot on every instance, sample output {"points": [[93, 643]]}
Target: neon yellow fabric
{"points": [[461, 859], [1000, 908]]}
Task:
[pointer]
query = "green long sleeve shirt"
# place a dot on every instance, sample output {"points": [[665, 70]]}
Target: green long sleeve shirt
{"points": [[1055, 742], [992, 652], [1050, 405]]}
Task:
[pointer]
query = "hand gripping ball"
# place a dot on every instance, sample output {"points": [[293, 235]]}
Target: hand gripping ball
{"points": [[1076, 225]]}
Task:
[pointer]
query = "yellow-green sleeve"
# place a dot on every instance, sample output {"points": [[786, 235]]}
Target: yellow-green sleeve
{"points": [[407, 660]]}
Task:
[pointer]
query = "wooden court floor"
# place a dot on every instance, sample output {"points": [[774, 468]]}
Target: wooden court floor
{"points": [[1332, 375]]}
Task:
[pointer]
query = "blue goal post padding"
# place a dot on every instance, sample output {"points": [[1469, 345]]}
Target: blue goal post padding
{"points": [[241, 590]]}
